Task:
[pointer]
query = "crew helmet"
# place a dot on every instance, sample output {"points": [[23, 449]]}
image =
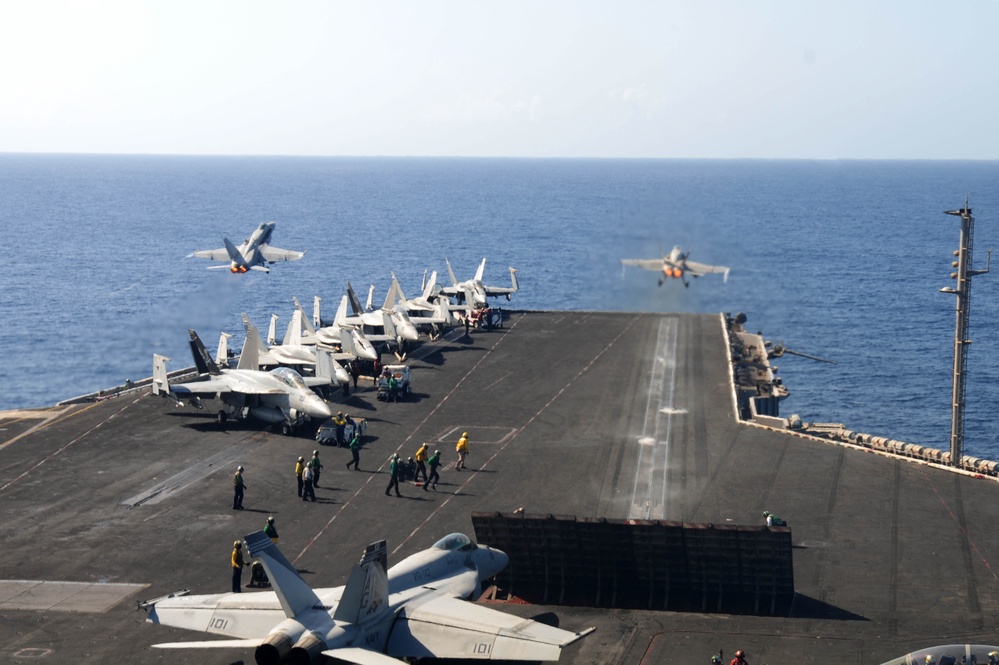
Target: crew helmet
{"points": [[395, 455], [930, 660], [270, 520], [301, 459], [239, 468], [464, 433], [740, 653], [315, 453], [715, 660], [237, 544], [437, 452], [766, 513]]}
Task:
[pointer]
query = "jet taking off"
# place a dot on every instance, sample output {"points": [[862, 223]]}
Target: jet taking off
{"points": [[473, 292], [254, 254], [380, 617], [277, 396], [676, 265]]}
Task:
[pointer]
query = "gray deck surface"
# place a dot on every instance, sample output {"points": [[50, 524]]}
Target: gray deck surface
{"points": [[589, 414]]}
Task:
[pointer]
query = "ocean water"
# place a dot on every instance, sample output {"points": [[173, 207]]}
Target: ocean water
{"points": [[843, 260]]}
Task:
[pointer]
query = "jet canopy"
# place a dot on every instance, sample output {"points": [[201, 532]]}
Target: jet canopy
{"points": [[456, 542], [290, 377]]}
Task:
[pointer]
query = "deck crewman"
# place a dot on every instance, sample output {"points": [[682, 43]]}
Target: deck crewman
{"points": [[237, 567], [421, 467], [237, 489]]}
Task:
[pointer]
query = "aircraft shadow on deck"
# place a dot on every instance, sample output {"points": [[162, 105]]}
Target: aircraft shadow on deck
{"points": [[806, 607], [438, 357], [357, 404]]}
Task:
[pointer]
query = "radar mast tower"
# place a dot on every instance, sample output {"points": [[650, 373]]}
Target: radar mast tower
{"points": [[962, 290]]}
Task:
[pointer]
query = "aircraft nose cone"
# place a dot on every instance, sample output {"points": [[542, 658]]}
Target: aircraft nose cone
{"points": [[495, 561], [317, 408], [409, 333]]}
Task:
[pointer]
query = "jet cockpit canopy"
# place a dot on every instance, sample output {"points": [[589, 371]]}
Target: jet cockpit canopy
{"points": [[290, 377], [456, 542]]}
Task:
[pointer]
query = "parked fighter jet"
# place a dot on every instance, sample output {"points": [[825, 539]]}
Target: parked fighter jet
{"points": [[254, 254], [676, 265], [351, 340], [473, 292], [431, 311], [379, 325], [277, 396], [412, 610], [291, 354]]}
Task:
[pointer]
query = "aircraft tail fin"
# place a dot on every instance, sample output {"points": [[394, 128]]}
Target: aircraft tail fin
{"points": [[293, 333], [341, 312], [725, 276], [481, 270], [306, 324], [317, 320], [454, 282], [272, 329], [513, 280], [249, 357], [390, 296], [371, 295], [428, 286], [202, 360], [234, 254], [255, 338], [355, 303], [396, 290], [160, 382], [222, 353], [294, 593], [366, 592]]}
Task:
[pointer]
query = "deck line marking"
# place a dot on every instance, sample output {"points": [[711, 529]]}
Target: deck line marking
{"points": [[653, 459], [56, 417], [964, 531], [92, 429]]}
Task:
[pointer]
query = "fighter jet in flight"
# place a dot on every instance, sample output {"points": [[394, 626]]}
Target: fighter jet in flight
{"points": [[675, 265], [278, 396], [380, 617], [254, 254], [473, 292]]}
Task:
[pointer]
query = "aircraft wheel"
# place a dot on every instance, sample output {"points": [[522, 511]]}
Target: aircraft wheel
{"points": [[286, 430], [221, 417]]}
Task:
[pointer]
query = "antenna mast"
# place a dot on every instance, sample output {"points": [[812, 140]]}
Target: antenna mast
{"points": [[963, 276]]}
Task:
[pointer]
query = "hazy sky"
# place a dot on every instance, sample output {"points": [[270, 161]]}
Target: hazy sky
{"points": [[788, 79]]}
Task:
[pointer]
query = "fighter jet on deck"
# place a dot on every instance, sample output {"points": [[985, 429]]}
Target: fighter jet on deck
{"points": [[473, 292], [676, 265], [278, 396], [413, 610], [254, 254]]}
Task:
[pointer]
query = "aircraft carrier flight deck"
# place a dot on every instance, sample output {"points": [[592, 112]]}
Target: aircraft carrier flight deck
{"points": [[575, 415]]}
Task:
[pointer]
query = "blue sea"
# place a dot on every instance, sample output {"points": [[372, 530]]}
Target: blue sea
{"points": [[839, 259]]}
